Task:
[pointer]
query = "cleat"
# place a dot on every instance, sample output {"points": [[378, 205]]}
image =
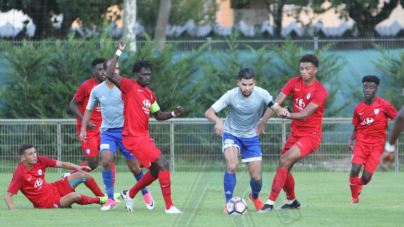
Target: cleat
{"points": [[266, 208], [173, 210], [65, 175], [122, 194], [257, 202], [360, 189], [148, 199], [117, 196], [355, 201], [294, 205], [103, 200], [129, 201], [225, 209], [109, 205]]}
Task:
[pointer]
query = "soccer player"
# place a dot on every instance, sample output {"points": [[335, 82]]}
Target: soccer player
{"points": [[308, 98], [245, 105], [29, 177], [370, 121], [139, 101], [109, 96], [390, 147], [78, 105]]}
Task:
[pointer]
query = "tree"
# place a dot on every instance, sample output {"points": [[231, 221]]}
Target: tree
{"points": [[162, 22], [129, 20]]}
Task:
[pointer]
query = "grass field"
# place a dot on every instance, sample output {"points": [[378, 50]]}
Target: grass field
{"points": [[325, 198]]}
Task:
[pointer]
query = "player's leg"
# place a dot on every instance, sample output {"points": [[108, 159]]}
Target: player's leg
{"points": [[359, 157], [79, 177], [371, 164], [74, 197], [255, 170]]}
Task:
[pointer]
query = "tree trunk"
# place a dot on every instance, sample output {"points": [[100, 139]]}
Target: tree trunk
{"points": [[129, 21], [162, 22]]}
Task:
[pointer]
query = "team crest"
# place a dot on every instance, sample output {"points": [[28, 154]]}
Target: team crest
{"points": [[308, 96], [88, 151], [376, 111], [39, 172]]}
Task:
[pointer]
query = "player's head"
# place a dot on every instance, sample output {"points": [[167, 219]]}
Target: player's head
{"points": [[142, 71], [246, 81], [107, 63], [308, 67], [98, 69], [370, 86], [28, 153]]}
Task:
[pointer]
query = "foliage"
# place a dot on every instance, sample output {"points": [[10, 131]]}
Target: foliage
{"points": [[393, 66]]}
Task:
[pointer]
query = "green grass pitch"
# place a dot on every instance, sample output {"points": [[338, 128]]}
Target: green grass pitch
{"points": [[325, 198]]}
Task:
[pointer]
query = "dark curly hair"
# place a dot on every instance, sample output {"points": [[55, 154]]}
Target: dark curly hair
{"points": [[310, 58], [371, 78], [105, 65], [246, 73], [139, 64], [97, 61]]}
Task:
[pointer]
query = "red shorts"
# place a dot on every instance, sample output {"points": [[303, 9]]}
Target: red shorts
{"points": [[93, 139], [367, 155], [306, 144], [143, 148], [60, 189]]}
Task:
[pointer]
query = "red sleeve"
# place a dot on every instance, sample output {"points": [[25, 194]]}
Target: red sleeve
{"points": [[126, 85], [356, 120], [47, 162], [153, 98], [320, 96], [390, 110], [81, 93], [16, 182], [289, 86]]}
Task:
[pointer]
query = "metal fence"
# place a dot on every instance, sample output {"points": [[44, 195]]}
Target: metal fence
{"points": [[314, 43], [188, 144]]}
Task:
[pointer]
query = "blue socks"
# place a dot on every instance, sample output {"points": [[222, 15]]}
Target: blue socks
{"points": [[138, 177], [108, 184], [255, 189], [229, 183]]}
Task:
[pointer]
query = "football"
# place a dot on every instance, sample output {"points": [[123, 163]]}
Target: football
{"points": [[236, 206]]}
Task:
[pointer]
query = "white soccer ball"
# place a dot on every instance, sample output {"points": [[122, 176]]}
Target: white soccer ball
{"points": [[236, 206]]}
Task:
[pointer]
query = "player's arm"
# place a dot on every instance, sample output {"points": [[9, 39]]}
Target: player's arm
{"points": [[86, 120], [116, 79], [306, 113], [74, 107], [70, 166], [269, 113], [9, 201], [210, 114], [352, 139], [162, 116]]}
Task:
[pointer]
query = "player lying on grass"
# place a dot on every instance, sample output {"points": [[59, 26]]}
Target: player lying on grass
{"points": [[29, 177], [390, 147], [370, 121], [245, 105], [139, 102], [110, 98], [308, 98]]}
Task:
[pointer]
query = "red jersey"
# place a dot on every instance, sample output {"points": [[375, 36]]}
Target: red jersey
{"points": [[137, 103], [302, 95], [32, 182], [371, 121], [82, 95]]}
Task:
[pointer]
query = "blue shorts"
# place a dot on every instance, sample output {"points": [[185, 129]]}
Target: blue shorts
{"points": [[112, 138], [248, 147]]}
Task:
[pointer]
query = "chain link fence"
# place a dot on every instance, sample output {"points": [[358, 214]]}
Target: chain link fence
{"points": [[188, 144]]}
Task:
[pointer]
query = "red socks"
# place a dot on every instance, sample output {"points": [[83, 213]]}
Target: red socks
{"points": [[87, 200], [82, 164], [289, 188], [165, 184], [361, 182], [146, 180], [354, 187], [93, 186], [278, 183]]}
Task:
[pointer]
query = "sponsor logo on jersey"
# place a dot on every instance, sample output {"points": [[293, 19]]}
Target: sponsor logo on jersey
{"points": [[300, 104], [39, 172], [308, 96], [367, 121], [146, 107], [376, 111], [104, 146], [88, 151], [38, 183]]}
